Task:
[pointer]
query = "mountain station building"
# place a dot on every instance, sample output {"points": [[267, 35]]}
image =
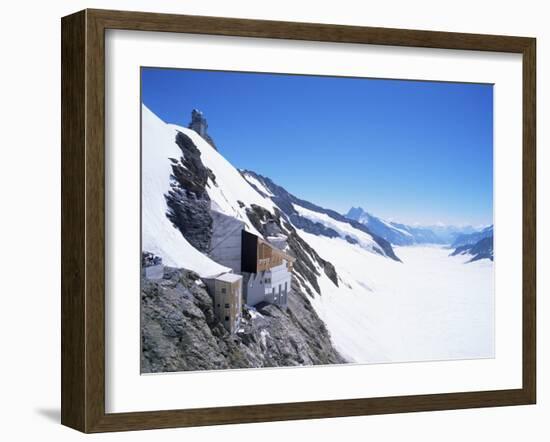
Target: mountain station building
{"points": [[266, 270]]}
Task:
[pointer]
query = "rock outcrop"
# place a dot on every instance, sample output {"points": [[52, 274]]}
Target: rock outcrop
{"points": [[188, 201], [308, 262], [180, 332]]}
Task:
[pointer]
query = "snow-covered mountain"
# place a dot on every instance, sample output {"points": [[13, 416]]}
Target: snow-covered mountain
{"points": [[482, 249], [403, 234], [315, 219], [478, 245], [448, 233], [160, 154], [472, 238], [347, 279], [398, 235], [185, 178]]}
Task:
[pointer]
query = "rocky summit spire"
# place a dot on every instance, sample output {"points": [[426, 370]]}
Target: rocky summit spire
{"points": [[198, 124]]}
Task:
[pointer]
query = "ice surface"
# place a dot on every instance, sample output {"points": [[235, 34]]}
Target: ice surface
{"points": [[429, 307]]}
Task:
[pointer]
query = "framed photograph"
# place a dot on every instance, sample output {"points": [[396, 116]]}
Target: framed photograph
{"points": [[267, 220]]}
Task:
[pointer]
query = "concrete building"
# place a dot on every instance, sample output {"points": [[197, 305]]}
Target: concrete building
{"points": [[151, 266], [227, 294], [198, 123], [153, 272], [271, 286], [226, 241], [266, 269]]}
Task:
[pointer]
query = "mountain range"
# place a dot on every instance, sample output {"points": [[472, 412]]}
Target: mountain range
{"points": [[477, 245], [403, 234], [341, 262]]}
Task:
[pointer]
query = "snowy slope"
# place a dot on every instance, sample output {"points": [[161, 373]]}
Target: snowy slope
{"points": [[430, 307], [230, 187], [343, 229], [394, 234], [159, 236], [257, 184], [318, 220]]}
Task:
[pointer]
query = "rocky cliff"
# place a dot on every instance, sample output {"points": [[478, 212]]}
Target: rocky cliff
{"points": [[187, 200], [180, 332]]}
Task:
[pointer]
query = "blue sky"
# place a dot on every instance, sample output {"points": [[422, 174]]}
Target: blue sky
{"points": [[409, 151]]}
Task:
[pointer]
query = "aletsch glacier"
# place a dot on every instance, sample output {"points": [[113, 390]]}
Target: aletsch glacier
{"points": [[363, 292]]}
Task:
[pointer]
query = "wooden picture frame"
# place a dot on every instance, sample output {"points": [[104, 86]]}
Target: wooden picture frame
{"points": [[83, 220]]}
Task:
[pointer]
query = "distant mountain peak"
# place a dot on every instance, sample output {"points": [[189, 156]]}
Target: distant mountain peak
{"points": [[306, 215], [355, 213], [407, 234]]}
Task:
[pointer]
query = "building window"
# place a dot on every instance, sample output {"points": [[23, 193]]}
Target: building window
{"points": [[223, 290], [227, 319], [226, 305], [218, 305]]}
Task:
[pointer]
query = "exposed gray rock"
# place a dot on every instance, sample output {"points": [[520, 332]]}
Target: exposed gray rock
{"points": [[188, 201], [180, 332], [150, 259], [312, 227], [305, 255], [286, 201]]}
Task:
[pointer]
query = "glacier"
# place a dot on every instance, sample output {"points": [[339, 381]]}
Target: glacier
{"points": [[429, 307], [380, 303]]}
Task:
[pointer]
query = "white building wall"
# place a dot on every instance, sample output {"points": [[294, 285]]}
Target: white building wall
{"points": [[279, 286], [254, 288], [154, 272], [271, 286]]}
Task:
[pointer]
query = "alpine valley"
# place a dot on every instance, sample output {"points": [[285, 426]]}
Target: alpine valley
{"points": [[363, 289]]}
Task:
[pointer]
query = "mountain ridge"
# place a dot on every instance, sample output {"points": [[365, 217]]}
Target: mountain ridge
{"points": [[287, 202], [340, 265], [482, 249], [404, 234], [472, 238]]}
